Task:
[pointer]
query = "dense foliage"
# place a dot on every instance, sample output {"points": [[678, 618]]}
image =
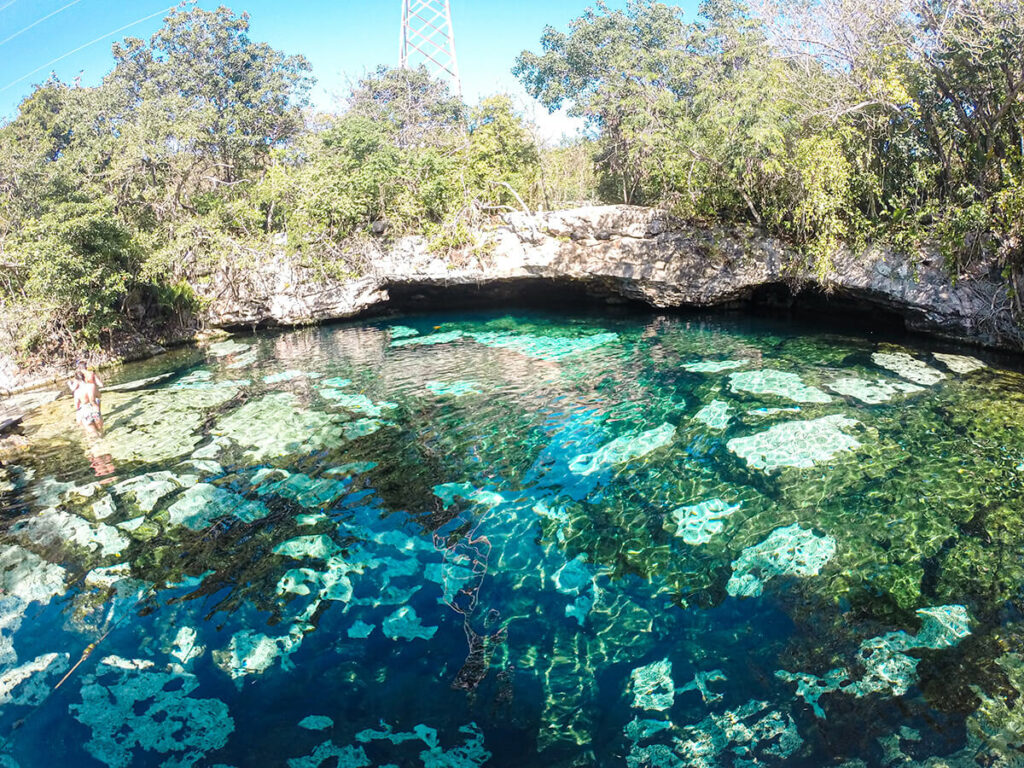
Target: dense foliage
{"points": [[824, 121]]}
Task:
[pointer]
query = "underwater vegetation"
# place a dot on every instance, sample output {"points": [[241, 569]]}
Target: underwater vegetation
{"points": [[514, 540]]}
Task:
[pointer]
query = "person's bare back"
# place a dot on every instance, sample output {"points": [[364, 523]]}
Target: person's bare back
{"points": [[87, 402]]}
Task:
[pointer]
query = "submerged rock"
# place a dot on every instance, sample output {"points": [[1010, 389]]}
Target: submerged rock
{"points": [[404, 624], [203, 503], [544, 347], [715, 415], [872, 392], [908, 367], [887, 667], [800, 444], [453, 388], [652, 686], [713, 366], [959, 363], [138, 707], [698, 523], [622, 449], [781, 383], [789, 551]]}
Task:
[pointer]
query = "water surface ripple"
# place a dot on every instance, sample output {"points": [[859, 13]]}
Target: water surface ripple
{"points": [[521, 539]]}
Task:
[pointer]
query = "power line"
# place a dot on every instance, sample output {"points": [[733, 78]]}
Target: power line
{"points": [[99, 39], [37, 21], [7, 5]]}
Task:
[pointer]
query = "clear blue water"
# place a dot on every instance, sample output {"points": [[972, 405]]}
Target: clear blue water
{"points": [[522, 539]]}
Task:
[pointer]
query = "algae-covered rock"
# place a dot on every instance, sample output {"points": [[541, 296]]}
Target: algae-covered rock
{"points": [[789, 551], [800, 444], [781, 383]]}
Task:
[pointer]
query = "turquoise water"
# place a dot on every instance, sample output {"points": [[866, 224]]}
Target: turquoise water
{"points": [[519, 539]]}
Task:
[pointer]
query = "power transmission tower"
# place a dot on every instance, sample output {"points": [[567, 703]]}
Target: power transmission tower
{"points": [[428, 38]]}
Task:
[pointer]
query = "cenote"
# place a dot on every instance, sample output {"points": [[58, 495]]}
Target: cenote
{"points": [[517, 539]]}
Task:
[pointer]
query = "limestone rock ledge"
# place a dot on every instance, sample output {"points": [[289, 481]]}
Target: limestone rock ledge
{"points": [[637, 253]]}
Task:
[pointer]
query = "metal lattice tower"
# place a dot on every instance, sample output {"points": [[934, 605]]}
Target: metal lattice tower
{"points": [[428, 38]]}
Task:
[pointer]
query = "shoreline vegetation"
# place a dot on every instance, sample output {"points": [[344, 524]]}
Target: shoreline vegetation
{"points": [[828, 125]]}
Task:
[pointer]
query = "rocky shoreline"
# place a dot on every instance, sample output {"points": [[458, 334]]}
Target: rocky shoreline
{"points": [[637, 254], [619, 253]]}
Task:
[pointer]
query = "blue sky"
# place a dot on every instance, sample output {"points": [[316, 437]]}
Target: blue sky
{"points": [[342, 38]]}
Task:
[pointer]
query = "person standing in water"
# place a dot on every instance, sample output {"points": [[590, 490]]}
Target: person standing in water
{"points": [[86, 388]]}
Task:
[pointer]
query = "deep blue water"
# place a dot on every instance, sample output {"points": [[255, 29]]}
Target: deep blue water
{"points": [[501, 538]]}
